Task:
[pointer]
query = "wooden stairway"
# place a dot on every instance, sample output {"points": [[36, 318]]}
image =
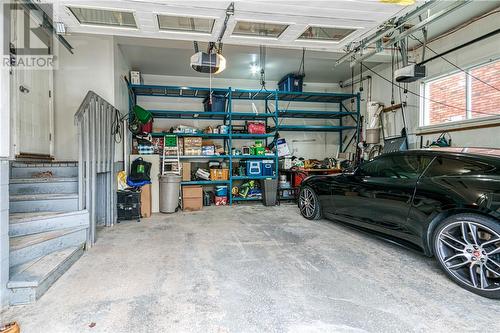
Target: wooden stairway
{"points": [[47, 231]]}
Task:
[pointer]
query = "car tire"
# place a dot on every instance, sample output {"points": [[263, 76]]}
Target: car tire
{"points": [[467, 248], [309, 205]]}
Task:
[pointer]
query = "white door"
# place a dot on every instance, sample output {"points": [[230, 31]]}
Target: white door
{"points": [[33, 90]]}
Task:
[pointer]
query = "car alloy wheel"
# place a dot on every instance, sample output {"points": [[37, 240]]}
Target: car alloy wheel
{"points": [[308, 204], [470, 252]]}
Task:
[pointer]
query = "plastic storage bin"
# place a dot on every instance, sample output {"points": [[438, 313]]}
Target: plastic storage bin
{"points": [[128, 205], [254, 168], [218, 103], [221, 191], [291, 83], [268, 168]]}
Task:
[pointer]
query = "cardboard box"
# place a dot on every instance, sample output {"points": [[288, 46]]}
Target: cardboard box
{"points": [[146, 200], [192, 198], [192, 204], [219, 174], [186, 171], [192, 151], [192, 142], [192, 191]]}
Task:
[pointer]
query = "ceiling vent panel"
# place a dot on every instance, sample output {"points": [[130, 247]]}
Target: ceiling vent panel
{"points": [[259, 29], [326, 34], [185, 24], [104, 17]]}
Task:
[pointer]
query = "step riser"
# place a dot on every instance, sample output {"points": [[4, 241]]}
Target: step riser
{"points": [[48, 224], [44, 188], [27, 295], [28, 253], [57, 205], [28, 172]]}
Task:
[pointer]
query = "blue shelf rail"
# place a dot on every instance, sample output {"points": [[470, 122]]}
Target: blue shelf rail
{"points": [[276, 98]]}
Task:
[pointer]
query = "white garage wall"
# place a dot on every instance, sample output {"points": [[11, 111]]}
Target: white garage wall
{"points": [[308, 145], [120, 70], [97, 64], [477, 53]]}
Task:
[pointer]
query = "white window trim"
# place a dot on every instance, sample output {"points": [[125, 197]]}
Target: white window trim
{"points": [[453, 125]]}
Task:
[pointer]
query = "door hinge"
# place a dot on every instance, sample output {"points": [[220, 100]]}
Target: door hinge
{"points": [[50, 136], [50, 94]]}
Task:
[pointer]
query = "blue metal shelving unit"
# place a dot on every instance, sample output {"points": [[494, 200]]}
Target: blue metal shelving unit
{"points": [[277, 98]]}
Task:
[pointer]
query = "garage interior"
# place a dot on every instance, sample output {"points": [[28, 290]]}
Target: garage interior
{"points": [[153, 159]]}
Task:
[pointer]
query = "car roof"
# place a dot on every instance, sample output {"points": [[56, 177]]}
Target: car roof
{"points": [[448, 153], [480, 154]]}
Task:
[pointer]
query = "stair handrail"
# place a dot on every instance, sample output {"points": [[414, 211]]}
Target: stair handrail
{"points": [[96, 150]]}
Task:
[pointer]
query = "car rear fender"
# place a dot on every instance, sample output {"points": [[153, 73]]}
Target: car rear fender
{"points": [[449, 211]]}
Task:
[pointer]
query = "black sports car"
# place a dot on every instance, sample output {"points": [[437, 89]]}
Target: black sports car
{"points": [[444, 204]]}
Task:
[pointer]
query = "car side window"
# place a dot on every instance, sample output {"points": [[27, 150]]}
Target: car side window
{"points": [[445, 166], [398, 167]]}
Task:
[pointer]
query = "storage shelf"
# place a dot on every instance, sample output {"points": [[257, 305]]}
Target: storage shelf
{"points": [[313, 97], [271, 95], [314, 128], [203, 157], [314, 114], [258, 157], [202, 115], [250, 115], [201, 135], [246, 199], [336, 111], [245, 94], [215, 136], [252, 177], [205, 182], [252, 136], [198, 115], [174, 91]]}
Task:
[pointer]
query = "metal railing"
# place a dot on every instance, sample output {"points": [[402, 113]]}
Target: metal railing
{"points": [[96, 157]]}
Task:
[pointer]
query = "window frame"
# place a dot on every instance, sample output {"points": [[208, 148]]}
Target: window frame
{"points": [[179, 31], [424, 113], [239, 35], [105, 26]]}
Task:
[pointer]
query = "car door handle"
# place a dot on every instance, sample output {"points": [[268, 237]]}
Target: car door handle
{"points": [[23, 89]]}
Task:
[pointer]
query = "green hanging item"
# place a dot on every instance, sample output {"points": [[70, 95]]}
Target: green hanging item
{"points": [[144, 116]]}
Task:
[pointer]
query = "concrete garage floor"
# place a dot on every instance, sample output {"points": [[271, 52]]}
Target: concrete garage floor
{"points": [[252, 269]]}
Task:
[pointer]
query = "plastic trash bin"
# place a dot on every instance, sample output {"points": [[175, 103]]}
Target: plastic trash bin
{"points": [[170, 186], [269, 191]]}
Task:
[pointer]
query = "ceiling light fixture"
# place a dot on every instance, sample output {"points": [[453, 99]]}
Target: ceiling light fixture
{"points": [[254, 69]]}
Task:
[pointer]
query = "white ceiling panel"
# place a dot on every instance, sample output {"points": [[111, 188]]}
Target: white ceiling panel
{"points": [[361, 15]]}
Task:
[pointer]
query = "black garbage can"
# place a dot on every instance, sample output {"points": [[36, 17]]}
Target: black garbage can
{"points": [[269, 191]]}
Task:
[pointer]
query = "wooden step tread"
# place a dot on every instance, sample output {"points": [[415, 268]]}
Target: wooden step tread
{"points": [[20, 242], [34, 216], [48, 196], [42, 180], [33, 273]]}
